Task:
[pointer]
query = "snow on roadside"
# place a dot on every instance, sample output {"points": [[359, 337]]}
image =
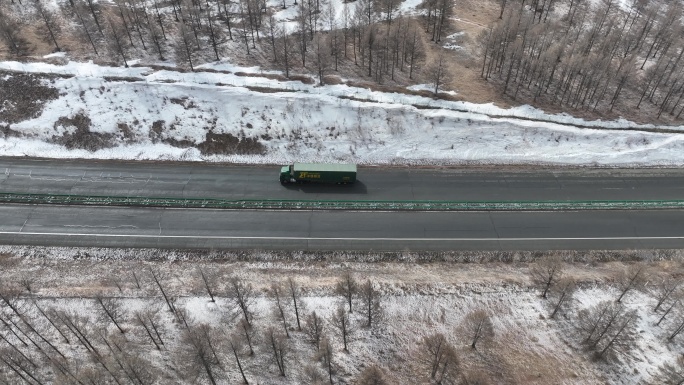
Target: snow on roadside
{"points": [[301, 122]]}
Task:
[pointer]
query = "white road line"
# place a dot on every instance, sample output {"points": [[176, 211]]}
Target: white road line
{"points": [[227, 237]]}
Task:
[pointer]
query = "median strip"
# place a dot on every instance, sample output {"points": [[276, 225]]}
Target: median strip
{"points": [[358, 205]]}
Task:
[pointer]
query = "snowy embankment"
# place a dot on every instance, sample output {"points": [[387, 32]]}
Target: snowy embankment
{"points": [[154, 114]]}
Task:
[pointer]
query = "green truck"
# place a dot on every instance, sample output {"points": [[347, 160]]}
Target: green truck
{"points": [[318, 173]]}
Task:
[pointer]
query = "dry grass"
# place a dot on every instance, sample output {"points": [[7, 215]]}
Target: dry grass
{"points": [[22, 96], [318, 270]]}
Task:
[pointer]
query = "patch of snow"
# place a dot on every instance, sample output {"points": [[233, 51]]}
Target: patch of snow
{"points": [[409, 6], [56, 54], [311, 123], [452, 46], [455, 35]]}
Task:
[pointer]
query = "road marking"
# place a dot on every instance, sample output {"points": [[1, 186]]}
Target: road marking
{"points": [[229, 237]]}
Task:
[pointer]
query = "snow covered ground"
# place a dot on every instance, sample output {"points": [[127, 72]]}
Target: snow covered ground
{"points": [[418, 299], [303, 122]]}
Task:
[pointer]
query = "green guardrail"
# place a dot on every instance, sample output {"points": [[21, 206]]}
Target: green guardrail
{"points": [[275, 204]]}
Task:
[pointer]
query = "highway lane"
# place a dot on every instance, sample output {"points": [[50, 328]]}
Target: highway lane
{"points": [[405, 183], [325, 230]]}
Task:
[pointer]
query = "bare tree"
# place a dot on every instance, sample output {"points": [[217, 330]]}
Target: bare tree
{"points": [[243, 33], [49, 21], [279, 306], [80, 328], [370, 299], [248, 334], [182, 315], [20, 366], [546, 272], [157, 277], [344, 326], [10, 299], [212, 338], [596, 321], [326, 356], [347, 287], [314, 329], [621, 337], [118, 44], [13, 349], [236, 345], [148, 319], [440, 359], [112, 310], [124, 12], [436, 72], [50, 317], [138, 369], [26, 281], [607, 328], [10, 34], [372, 375], [676, 331], [184, 48], [478, 325], [303, 29], [94, 10], [503, 6], [156, 34], [280, 348], [159, 17], [209, 282], [634, 277], [296, 296], [312, 375], [322, 56], [670, 373], [273, 31], [242, 295], [124, 356], [198, 357], [216, 37], [414, 52], [561, 295], [665, 289], [667, 311], [136, 279], [78, 11]]}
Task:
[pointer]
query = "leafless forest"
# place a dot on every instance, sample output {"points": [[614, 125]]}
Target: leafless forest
{"points": [[589, 56], [592, 58], [145, 317]]}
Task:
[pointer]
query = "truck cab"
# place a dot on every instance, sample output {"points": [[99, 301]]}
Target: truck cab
{"points": [[286, 174]]}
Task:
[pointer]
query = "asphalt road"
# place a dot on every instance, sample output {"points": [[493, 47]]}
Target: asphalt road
{"points": [[261, 182], [323, 230]]}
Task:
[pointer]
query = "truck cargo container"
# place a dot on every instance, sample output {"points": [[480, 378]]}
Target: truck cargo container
{"points": [[318, 173]]}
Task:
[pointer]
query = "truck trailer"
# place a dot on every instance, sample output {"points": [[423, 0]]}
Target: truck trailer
{"points": [[318, 173]]}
